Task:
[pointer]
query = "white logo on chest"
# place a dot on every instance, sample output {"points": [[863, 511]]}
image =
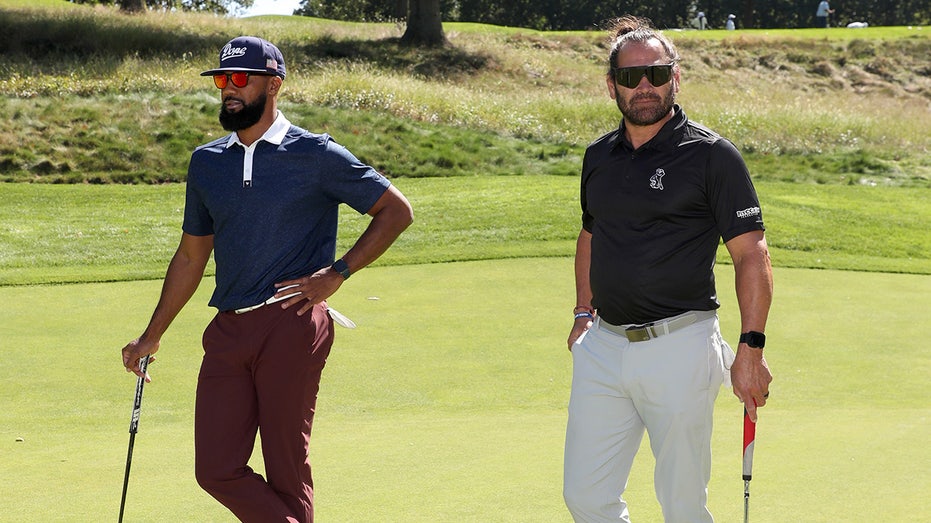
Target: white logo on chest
{"points": [[656, 181]]}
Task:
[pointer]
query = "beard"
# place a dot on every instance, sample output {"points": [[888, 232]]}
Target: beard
{"points": [[641, 114], [249, 115]]}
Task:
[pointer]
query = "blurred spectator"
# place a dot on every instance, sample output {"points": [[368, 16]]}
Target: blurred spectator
{"points": [[821, 16]]}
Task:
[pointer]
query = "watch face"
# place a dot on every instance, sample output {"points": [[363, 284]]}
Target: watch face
{"points": [[754, 339]]}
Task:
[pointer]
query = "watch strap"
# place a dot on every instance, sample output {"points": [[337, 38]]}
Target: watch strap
{"points": [[342, 268]]}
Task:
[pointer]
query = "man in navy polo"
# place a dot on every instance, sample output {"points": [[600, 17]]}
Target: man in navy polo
{"points": [[264, 200]]}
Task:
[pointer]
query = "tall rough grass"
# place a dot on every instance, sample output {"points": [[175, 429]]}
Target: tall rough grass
{"points": [[829, 109]]}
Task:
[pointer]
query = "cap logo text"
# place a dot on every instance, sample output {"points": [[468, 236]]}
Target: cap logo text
{"points": [[229, 51]]}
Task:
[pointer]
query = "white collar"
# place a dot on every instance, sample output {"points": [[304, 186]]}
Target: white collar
{"points": [[273, 135]]}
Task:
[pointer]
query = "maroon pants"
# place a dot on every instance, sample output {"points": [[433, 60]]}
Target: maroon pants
{"points": [[261, 372]]}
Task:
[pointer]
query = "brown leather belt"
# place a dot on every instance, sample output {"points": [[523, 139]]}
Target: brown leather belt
{"points": [[649, 331]]}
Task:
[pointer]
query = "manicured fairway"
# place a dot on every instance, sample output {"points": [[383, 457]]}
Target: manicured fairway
{"points": [[448, 402]]}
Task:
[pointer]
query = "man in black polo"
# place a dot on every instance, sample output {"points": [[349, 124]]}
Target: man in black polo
{"points": [[657, 196]]}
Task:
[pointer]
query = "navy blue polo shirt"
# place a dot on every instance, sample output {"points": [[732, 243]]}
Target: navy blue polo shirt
{"points": [[273, 207], [657, 215]]}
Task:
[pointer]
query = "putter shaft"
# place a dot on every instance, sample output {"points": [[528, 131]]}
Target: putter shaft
{"points": [[133, 428], [748, 444]]}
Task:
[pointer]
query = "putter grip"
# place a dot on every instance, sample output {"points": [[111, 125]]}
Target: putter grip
{"points": [[137, 401], [749, 438]]}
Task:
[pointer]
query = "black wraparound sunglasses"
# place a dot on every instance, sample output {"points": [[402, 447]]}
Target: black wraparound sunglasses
{"points": [[629, 77]]}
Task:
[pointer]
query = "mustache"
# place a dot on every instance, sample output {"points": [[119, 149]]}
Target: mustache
{"points": [[646, 97], [233, 99]]}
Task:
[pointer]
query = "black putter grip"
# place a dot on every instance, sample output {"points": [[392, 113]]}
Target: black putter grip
{"points": [[137, 402], [133, 426]]}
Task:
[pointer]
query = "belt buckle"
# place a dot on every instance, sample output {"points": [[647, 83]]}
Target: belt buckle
{"points": [[636, 334]]}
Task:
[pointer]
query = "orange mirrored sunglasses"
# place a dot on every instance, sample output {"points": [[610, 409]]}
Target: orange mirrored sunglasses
{"points": [[239, 79]]}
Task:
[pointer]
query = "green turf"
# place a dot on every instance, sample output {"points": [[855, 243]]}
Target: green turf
{"points": [[55, 233], [448, 402]]}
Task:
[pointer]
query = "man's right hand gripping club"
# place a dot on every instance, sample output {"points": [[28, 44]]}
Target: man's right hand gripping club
{"points": [[134, 351]]}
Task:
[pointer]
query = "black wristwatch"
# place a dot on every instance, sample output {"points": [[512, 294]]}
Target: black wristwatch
{"points": [[753, 339], [341, 267]]}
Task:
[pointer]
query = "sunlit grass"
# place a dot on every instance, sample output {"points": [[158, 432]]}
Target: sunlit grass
{"points": [[778, 121], [453, 389], [103, 233]]}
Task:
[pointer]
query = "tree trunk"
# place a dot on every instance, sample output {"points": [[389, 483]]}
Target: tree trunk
{"points": [[747, 21], [132, 6], [424, 24], [400, 9]]}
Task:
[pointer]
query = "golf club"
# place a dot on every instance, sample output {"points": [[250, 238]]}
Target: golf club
{"points": [[749, 438], [133, 426]]}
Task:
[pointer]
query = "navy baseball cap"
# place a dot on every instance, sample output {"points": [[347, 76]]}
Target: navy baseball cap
{"points": [[249, 54]]}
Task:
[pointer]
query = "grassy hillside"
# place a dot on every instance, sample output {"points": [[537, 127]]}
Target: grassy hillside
{"points": [[96, 96]]}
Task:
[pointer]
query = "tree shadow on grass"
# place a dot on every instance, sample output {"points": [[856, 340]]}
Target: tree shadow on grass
{"points": [[47, 41], [45, 37], [427, 62]]}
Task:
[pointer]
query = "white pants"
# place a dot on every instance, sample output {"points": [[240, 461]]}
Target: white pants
{"points": [[667, 386]]}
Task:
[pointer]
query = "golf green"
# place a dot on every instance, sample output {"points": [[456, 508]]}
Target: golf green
{"points": [[447, 403]]}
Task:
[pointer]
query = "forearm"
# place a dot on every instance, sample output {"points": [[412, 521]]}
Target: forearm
{"points": [[392, 217], [584, 313], [182, 278], [583, 259], [753, 280], [754, 286]]}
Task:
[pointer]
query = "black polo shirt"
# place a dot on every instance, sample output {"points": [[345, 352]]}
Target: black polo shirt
{"points": [[657, 215]]}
